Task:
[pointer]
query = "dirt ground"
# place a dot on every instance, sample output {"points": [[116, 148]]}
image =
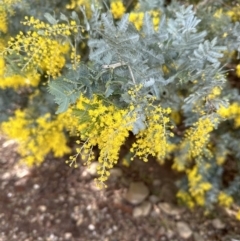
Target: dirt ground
{"points": [[55, 202]]}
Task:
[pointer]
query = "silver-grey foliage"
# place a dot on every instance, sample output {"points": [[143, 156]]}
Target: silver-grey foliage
{"points": [[122, 57]]}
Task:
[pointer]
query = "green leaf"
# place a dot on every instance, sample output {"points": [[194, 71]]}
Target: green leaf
{"points": [[63, 17], [75, 17], [50, 18], [108, 91], [123, 23]]}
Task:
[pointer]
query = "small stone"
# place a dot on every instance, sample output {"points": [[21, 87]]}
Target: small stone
{"points": [[27, 210], [57, 220], [8, 143], [115, 173], [115, 228], [153, 199], [142, 210], [156, 182], [42, 208], [9, 194], [3, 161], [170, 233], [91, 227], [36, 186], [161, 231], [218, 224], [89, 207], [137, 192], [109, 231], [184, 230], [68, 236], [92, 169], [22, 172], [198, 237], [169, 209], [20, 182], [79, 221], [5, 176], [146, 208], [177, 217], [137, 212], [52, 237]]}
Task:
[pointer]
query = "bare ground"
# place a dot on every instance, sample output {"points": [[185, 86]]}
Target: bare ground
{"points": [[54, 202]]}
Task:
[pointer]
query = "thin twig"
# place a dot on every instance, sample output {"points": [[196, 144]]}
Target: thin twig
{"points": [[116, 65]]}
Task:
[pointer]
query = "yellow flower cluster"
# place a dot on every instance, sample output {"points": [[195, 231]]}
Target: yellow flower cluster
{"points": [[62, 29], [165, 69], [182, 158], [117, 9], [137, 19], [186, 198], [231, 112], [224, 199], [75, 58], [176, 117], [39, 47], [3, 20], [153, 140], [6, 7], [221, 157], [194, 145], [238, 215], [198, 136], [43, 52], [15, 81], [2, 65], [38, 137], [105, 126], [238, 70], [75, 4], [2, 45], [197, 186], [216, 91], [218, 13], [155, 18], [234, 13]]}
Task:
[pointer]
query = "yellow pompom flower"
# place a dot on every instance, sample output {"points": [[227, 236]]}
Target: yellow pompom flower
{"points": [[216, 91], [105, 126], [238, 70], [224, 199], [234, 13], [117, 9], [231, 112], [37, 138], [198, 136], [238, 215], [197, 186], [3, 21], [137, 19], [16, 81], [184, 197], [2, 65]]}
